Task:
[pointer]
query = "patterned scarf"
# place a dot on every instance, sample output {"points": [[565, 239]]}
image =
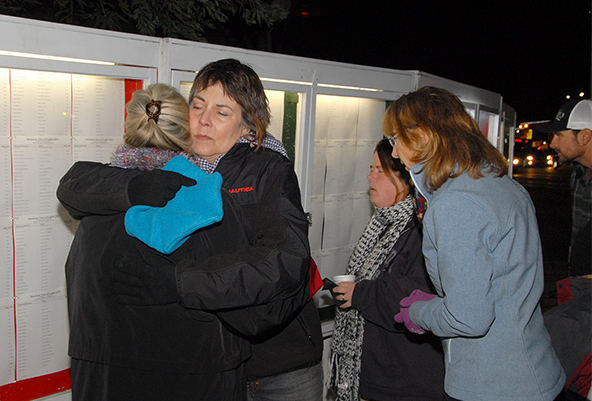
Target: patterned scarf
{"points": [[126, 156], [375, 244]]}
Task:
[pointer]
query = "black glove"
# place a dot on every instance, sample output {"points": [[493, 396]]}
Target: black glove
{"points": [[142, 284], [329, 285], [156, 187]]}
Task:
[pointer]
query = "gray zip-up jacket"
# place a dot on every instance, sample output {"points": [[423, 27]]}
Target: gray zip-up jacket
{"points": [[483, 255]]}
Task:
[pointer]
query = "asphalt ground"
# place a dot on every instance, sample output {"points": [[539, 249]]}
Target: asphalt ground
{"points": [[550, 193]]}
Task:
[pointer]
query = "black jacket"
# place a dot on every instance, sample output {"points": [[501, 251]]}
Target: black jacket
{"points": [[397, 364], [269, 274], [163, 338]]}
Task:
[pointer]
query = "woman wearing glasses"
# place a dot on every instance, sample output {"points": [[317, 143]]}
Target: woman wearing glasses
{"points": [[482, 251]]}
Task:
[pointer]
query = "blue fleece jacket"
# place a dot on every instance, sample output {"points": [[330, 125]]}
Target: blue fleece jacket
{"points": [[167, 228], [483, 255]]}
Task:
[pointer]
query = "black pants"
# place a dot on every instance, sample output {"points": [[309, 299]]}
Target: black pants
{"points": [[568, 396], [99, 382]]}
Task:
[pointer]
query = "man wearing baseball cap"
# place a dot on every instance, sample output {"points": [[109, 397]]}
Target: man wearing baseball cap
{"points": [[569, 324], [572, 140]]}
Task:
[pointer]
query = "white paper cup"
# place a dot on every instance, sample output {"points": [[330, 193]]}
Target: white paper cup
{"points": [[344, 277]]}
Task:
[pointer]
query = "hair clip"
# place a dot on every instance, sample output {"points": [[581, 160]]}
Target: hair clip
{"points": [[153, 110]]}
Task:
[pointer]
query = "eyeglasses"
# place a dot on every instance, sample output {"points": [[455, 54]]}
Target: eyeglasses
{"points": [[393, 138]]}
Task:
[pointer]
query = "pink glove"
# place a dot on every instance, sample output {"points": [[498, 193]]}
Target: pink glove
{"points": [[403, 315], [416, 295]]}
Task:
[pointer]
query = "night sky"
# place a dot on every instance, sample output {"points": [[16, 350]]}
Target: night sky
{"points": [[533, 53]]}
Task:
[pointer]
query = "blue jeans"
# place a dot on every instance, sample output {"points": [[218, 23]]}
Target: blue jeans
{"points": [[300, 385]]}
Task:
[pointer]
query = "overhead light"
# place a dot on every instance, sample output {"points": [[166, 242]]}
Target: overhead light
{"points": [[286, 81], [350, 88], [54, 58]]}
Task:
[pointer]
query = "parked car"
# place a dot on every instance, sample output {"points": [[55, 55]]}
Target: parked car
{"points": [[534, 157]]}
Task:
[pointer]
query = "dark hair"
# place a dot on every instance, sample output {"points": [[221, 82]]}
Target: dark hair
{"points": [[455, 141], [391, 165], [241, 83]]}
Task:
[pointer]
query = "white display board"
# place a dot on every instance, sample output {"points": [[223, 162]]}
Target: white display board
{"points": [[54, 120], [346, 132]]}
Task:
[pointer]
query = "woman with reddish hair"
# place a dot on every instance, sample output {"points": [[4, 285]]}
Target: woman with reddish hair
{"points": [[482, 251]]}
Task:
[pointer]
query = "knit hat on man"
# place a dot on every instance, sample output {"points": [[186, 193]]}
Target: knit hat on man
{"points": [[575, 114]]}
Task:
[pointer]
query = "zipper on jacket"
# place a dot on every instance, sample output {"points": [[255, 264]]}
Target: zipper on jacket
{"points": [[447, 347], [304, 327]]}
